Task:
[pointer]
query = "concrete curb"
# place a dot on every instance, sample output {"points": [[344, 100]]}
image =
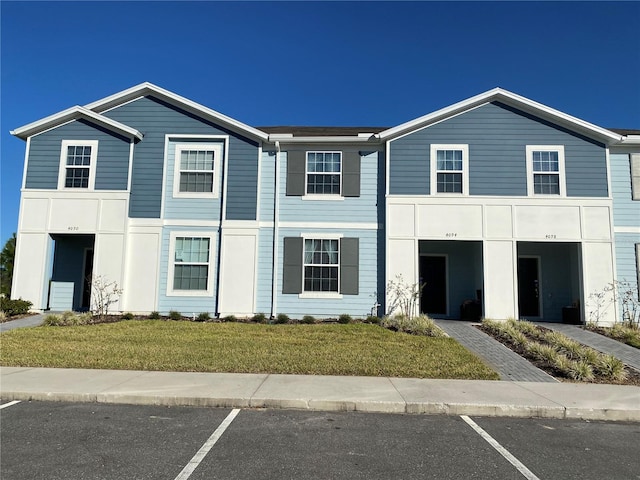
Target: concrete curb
{"points": [[326, 393]]}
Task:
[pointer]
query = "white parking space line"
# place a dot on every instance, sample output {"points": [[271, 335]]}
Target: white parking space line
{"points": [[8, 404], [211, 441], [528, 474]]}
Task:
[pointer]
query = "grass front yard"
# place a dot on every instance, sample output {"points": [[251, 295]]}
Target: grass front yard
{"points": [[325, 349]]}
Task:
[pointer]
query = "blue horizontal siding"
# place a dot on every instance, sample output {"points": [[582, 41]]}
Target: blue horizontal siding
{"points": [[626, 212], [497, 136], [362, 209], [265, 267], [112, 163], [191, 208], [267, 186], [354, 305], [155, 118], [188, 306]]}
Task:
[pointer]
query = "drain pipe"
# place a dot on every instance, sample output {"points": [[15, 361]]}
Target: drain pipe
{"points": [[276, 219]]}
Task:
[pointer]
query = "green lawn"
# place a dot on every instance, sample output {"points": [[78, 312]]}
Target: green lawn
{"points": [[356, 349]]}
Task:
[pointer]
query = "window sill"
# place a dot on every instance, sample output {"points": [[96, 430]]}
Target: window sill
{"points": [[195, 195], [329, 197], [317, 295], [189, 293]]}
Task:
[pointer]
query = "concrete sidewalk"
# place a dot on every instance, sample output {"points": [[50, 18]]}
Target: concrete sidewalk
{"points": [[328, 393]]}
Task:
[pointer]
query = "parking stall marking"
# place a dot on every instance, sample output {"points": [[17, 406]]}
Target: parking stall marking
{"points": [[211, 441], [8, 404], [528, 474]]}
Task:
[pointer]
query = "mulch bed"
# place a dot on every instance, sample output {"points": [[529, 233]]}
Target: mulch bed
{"points": [[633, 376]]}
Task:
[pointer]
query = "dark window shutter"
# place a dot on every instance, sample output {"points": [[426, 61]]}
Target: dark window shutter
{"points": [[635, 176], [351, 174], [292, 266], [295, 173], [349, 266]]}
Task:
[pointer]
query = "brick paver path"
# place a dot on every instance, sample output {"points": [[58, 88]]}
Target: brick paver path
{"points": [[507, 363], [628, 354]]}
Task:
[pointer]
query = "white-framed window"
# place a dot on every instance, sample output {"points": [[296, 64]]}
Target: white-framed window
{"points": [[321, 265], [196, 170], [190, 270], [545, 170], [78, 164], [449, 169], [323, 173]]}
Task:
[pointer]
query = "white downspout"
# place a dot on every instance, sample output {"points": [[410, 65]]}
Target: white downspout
{"points": [[276, 219]]}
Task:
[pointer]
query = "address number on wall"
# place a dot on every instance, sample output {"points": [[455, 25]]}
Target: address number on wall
{"points": [[73, 229], [550, 236], [451, 234]]}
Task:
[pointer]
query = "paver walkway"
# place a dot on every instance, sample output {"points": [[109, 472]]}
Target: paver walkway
{"points": [[628, 354], [507, 363], [32, 321]]}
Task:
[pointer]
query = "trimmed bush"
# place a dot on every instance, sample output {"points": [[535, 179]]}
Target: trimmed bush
{"points": [[344, 319], [127, 316], [373, 319], [421, 325], [230, 318], [203, 317], [282, 318], [154, 315], [308, 319], [14, 307], [175, 315], [259, 318]]}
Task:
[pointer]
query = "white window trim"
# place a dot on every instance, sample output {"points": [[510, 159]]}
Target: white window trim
{"points": [[321, 196], [62, 172], [434, 169], [171, 266], [561, 175], [216, 148], [320, 236]]}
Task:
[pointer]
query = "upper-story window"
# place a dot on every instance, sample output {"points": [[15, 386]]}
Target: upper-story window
{"points": [[450, 169], [545, 170], [196, 170], [324, 173], [78, 164]]}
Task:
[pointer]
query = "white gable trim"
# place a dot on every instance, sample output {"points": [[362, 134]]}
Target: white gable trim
{"points": [[512, 99], [75, 113], [147, 88]]}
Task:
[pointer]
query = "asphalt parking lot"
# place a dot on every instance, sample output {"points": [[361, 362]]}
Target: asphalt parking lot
{"points": [[48, 440]]}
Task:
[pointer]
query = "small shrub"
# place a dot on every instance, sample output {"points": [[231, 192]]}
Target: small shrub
{"points": [[230, 318], [421, 325], [259, 318], [175, 315], [14, 307], [282, 318], [611, 367], [308, 319], [3, 316], [68, 319], [344, 319], [154, 315], [543, 352], [127, 316], [373, 319], [203, 317], [581, 370]]}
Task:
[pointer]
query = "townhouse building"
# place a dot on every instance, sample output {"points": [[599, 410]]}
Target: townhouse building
{"points": [[497, 202]]}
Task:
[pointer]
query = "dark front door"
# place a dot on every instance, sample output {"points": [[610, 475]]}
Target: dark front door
{"points": [[528, 287], [433, 274], [86, 279]]}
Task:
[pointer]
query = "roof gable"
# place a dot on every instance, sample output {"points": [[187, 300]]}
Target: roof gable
{"points": [[75, 113], [511, 99]]}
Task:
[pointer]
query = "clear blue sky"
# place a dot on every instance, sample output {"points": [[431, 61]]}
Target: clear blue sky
{"points": [[330, 63]]}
